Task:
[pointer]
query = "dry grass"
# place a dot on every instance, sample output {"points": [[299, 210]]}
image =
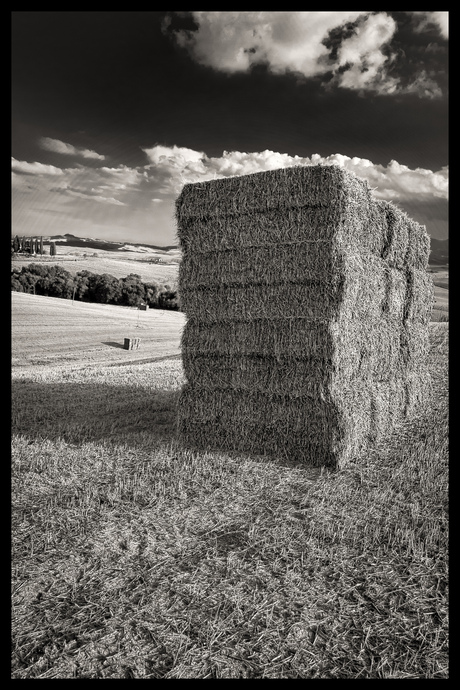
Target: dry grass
{"points": [[135, 559], [48, 329]]}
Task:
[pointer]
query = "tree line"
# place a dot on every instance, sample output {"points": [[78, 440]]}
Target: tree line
{"points": [[30, 245], [85, 286]]}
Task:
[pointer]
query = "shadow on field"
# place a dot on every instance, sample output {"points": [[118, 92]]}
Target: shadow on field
{"points": [[93, 413], [112, 343]]}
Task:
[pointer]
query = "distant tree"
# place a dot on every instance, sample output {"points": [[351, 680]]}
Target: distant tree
{"points": [[39, 270], [132, 290], [23, 244], [81, 285], [16, 244], [54, 281], [26, 279], [168, 300], [105, 289], [16, 284], [62, 286], [151, 292], [41, 245]]}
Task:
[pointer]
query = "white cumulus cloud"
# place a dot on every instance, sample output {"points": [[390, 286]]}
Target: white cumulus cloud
{"points": [[57, 146], [297, 42], [362, 54], [158, 153], [25, 168], [286, 41], [170, 171]]}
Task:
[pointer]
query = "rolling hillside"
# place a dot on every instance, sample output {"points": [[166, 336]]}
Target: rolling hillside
{"points": [[152, 264], [52, 330], [171, 254], [161, 264]]}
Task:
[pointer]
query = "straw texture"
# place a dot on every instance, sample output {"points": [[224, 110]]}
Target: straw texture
{"points": [[307, 304]]}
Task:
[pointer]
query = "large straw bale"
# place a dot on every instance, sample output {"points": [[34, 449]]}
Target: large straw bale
{"points": [[261, 355], [419, 296], [323, 295], [295, 262], [305, 203], [307, 305], [323, 431], [294, 187]]}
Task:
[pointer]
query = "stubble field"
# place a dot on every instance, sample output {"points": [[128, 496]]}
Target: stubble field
{"points": [[53, 330], [135, 558]]}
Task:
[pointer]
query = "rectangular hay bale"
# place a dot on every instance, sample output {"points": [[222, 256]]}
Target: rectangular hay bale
{"points": [[297, 204], [307, 305]]}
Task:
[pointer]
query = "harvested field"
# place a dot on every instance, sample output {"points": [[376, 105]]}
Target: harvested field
{"points": [[134, 558], [50, 330]]}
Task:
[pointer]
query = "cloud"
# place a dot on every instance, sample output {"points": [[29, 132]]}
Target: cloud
{"points": [[426, 20], [158, 153], [145, 195], [361, 54], [25, 168], [286, 41], [119, 178], [169, 168], [89, 194], [57, 146], [172, 169], [358, 58], [423, 86], [104, 185]]}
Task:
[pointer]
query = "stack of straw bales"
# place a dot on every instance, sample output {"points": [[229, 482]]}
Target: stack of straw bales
{"points": [[307, 304]]}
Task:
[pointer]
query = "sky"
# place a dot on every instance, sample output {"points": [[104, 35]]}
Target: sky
{"points": [[113, 112]]}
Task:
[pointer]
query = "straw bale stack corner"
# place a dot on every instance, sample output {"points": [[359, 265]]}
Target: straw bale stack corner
{"points": [[307, 304]]}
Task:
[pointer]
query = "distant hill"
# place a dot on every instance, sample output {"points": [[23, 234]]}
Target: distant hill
{"points": [[108, 245], [439, 255]]}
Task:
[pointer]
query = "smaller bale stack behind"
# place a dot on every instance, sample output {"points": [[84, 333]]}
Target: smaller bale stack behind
{"points": [[307, 304]]}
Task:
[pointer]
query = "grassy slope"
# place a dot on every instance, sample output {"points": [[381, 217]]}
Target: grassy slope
{"points": [[48, 329], [133, 558], [118, 265]]}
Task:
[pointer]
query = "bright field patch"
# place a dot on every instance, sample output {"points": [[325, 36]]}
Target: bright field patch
{"points": [[47, 330], [72, 259]]}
